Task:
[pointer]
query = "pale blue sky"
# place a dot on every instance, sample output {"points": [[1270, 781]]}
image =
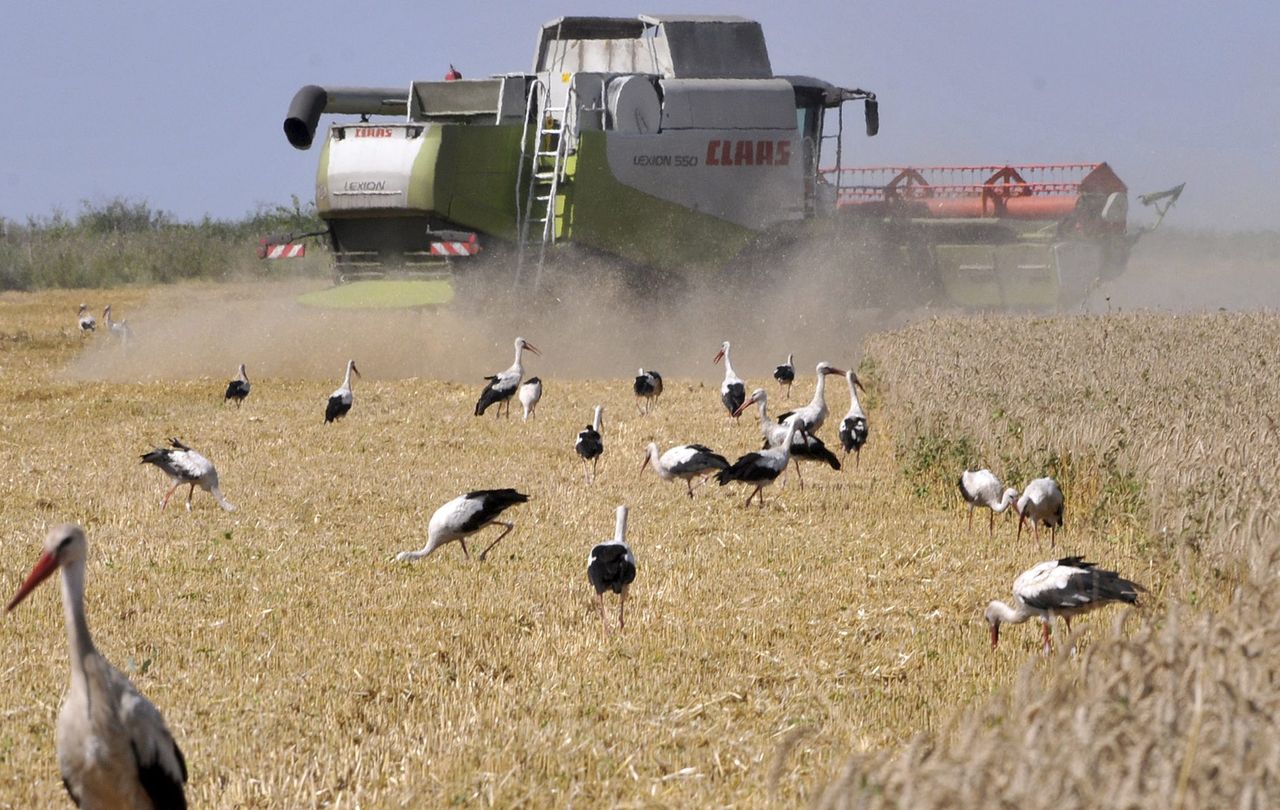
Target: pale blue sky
{"points": [[181, 104]]}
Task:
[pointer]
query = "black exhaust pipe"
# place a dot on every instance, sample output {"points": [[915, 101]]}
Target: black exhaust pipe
{"points": [[311, 101]]}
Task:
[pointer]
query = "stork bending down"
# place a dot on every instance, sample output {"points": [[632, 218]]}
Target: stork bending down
{"points": [[611, 566], [1041, 503], [685, 461], [530, 394], [114, 749], [982, 488], [503, 385], [86, 320], [464, 516], [185, 466], [732, 391]]}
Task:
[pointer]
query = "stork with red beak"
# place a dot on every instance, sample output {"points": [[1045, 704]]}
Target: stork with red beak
{"points": [[732, 391], [814, 415], [503, 385]]}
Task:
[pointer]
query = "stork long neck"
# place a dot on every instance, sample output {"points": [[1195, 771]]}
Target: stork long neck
{"points": [[243, 374], [655, 462], [346, 379], [728, 366], [786, 443], [595, 420], [79, 642], [517, 365], [855, 407], [765, 422], [620, 526], [1009, 615], [1004, 501], [819, 393]]}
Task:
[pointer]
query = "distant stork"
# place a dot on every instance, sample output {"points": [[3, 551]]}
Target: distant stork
{"points": [[611, 566], [590, 446], [114, 749], [238, 389], [87, 321], [685, 461], [648, 387], [465, 515], [732, 391], [853, 428], [804, 446], [117, 329], [982, 488], [185, 466], [760, 469], [785, 374], [503, 384], [1041, 503], [530, 394], [340, 400], [1066, 587], [814, 415]]}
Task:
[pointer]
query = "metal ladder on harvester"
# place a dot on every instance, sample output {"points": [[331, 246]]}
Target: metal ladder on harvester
{"points": [[545, 163]]}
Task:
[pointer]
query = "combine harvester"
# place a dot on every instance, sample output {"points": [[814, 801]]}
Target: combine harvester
{"points": [[668, 143]]}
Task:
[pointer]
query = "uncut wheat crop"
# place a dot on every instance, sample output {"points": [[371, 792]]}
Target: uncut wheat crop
{"points": [[827, 647]]}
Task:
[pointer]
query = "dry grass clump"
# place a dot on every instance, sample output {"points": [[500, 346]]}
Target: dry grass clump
{"points": [[1175, 414]]}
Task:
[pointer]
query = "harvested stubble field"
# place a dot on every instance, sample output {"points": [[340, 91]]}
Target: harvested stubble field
{"points": [[828, 648]]}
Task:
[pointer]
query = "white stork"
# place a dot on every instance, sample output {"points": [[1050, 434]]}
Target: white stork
{"points": [[238, 389], [803, 445], [1041, 503], [116, 329], [853, 428], [530, 394], [785, 374], [590, 445], [684, 461], [647, 387], [760, 469], [504, 384], [611, 566], [185, 466], [465, 515], [814, 415], [983, 488], [340, 400], [114, 749], [732, 391], [86, 320], [1066, 587]]}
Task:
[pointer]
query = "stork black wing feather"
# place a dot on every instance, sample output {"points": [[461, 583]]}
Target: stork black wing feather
{"points": [[161, 787]]}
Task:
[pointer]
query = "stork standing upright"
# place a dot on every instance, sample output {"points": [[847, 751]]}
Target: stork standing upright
{"points": [[647, 387], [117, 329], [982, 488], [785, 374], [465, 515], [114, 749], [185, 466], [340, 400], [685, 461], [504, 384], [530, 394], [590, 446], [814, 415], [732, 391], [1041, 502], [760, 469], [853, 428], [1066, 587], [611, 566], [86, 320], [238, 389], [803, 446]]}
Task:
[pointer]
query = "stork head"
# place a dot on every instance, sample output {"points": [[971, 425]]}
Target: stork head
{"points": [[83, 308], [724, 349], [351, 364], [243, 372], [757, 395], [106, 311], [650, 453], [63, 544], [852, 377], [993, 621], [521, 344], [825, 368]]}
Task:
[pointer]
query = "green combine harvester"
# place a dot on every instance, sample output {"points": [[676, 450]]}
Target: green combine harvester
{"points": [[667, 142]]}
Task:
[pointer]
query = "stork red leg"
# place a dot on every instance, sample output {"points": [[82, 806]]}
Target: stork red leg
{"points": [[622, 606], [1045, 637], [509, 526], [463, 543], [165, 501], [799, 477]]}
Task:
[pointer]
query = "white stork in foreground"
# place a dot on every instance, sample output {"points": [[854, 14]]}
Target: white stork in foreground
{"points": [[853, 428], [114, 749], [116, 329], [785, 374], [611, 566], [982, 488], [1041, 503], [814, 415], [590, 445], [803, 446], [1066, 588], [647, 387], [504, 384], [340, 400], [185, 466], [530, 394], [732, 391], [86, 320], [464, 516], [685, 461], [760, 469], [238, 389]]}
